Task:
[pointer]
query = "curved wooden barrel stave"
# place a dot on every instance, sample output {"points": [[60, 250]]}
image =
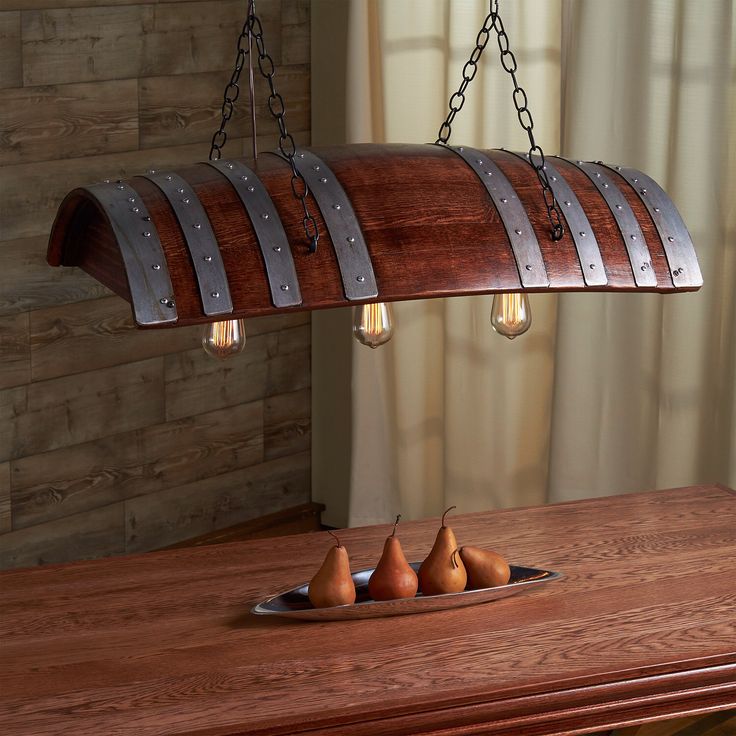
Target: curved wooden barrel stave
{"points": [[430, 229]]}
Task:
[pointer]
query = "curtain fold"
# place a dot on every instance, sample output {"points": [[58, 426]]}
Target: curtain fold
{"points": [[606, 393], [643, 380]]}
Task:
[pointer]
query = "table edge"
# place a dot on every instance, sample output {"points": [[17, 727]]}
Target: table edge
{"points": [[566, 711]]}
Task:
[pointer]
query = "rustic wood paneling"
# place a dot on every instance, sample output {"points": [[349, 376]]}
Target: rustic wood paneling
{"points": [[13, 404], [216, 502], [84, 422], [15, 354], [27, 282], [290, 369], [287, 423], [83, 44], [58, 4], [276, 323], [202, 36], [31, 193], [305, 517], [85, 476], [72, 409], [195, 383], [129, 41], [295, 339], [270, 141], [295, 12], [295, 40], [97, 533], [82, 337], [204, 446], [183, 109], [11, 69], [4, 498], [78, 478], [68, 121], [288, 373]]}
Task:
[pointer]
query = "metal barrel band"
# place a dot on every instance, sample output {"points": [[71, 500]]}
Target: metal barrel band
{"points": [[272, 241], [351, 251], [149, 282], [523, 240], [200, 240], [676, 240], [581, 231], [636, 247]]}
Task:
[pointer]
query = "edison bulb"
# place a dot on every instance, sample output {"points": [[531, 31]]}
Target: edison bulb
{"points": [[373, 324], [511, 315], [224, 339]]}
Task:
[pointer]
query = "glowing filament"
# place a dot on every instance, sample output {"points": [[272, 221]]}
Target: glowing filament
{"points": [[373, 324], [224, 339]]}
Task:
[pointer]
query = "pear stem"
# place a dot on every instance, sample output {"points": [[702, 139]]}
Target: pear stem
{"points": [[452, 558], [445, 514], [336, 537], [393, 533]]}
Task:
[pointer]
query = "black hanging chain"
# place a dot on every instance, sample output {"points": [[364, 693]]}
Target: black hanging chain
{"points": [[508, 62], [252, 29]]}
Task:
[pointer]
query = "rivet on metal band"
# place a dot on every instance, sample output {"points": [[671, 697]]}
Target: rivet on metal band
{"points": [[200, 241], [280, 272], [578, 225], [151, 292], [639, 256], [524, 243], [353, 259], [676, 241]]}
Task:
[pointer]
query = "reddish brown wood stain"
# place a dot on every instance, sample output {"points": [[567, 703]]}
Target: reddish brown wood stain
{"points": [[642, 628], [430, 227]]}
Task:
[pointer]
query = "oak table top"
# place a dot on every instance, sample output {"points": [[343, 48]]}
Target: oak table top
{"points": [[642, 627]]}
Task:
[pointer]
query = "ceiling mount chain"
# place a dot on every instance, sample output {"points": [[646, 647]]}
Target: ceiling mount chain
{"points": [[508, 62], [253, 31]]}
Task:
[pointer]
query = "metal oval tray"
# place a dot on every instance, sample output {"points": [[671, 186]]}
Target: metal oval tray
{"points": [[295, 603]]}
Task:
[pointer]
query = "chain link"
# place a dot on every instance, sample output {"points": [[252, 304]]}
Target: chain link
{"points": [[253, 30], [508, 62]]}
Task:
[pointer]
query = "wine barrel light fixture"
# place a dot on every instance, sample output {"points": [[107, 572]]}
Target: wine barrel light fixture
{"points": [[367, 225]]}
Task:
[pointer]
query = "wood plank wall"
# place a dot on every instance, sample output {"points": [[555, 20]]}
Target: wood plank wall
{"points": [[114, 440]]}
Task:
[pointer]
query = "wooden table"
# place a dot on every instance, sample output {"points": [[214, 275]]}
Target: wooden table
{"points": [[642, 628]]}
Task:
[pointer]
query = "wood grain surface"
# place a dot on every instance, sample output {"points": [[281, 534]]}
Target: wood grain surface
{"points": [[4, 497], [27, 282], [82, 477], [74, 339], [642, 628], [95, 415], [295, 520], [11, 68], [180, 109], [15, 353], [430, 227], [131, 41], [72, 409], [68, 121]]}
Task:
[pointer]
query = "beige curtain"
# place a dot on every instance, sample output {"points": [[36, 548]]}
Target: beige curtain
{"points": [[605, 393]]}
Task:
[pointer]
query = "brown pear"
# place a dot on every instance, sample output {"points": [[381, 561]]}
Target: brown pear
{"points": [[443, 570], [333, 584], [486, 569], [393, 576]]}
